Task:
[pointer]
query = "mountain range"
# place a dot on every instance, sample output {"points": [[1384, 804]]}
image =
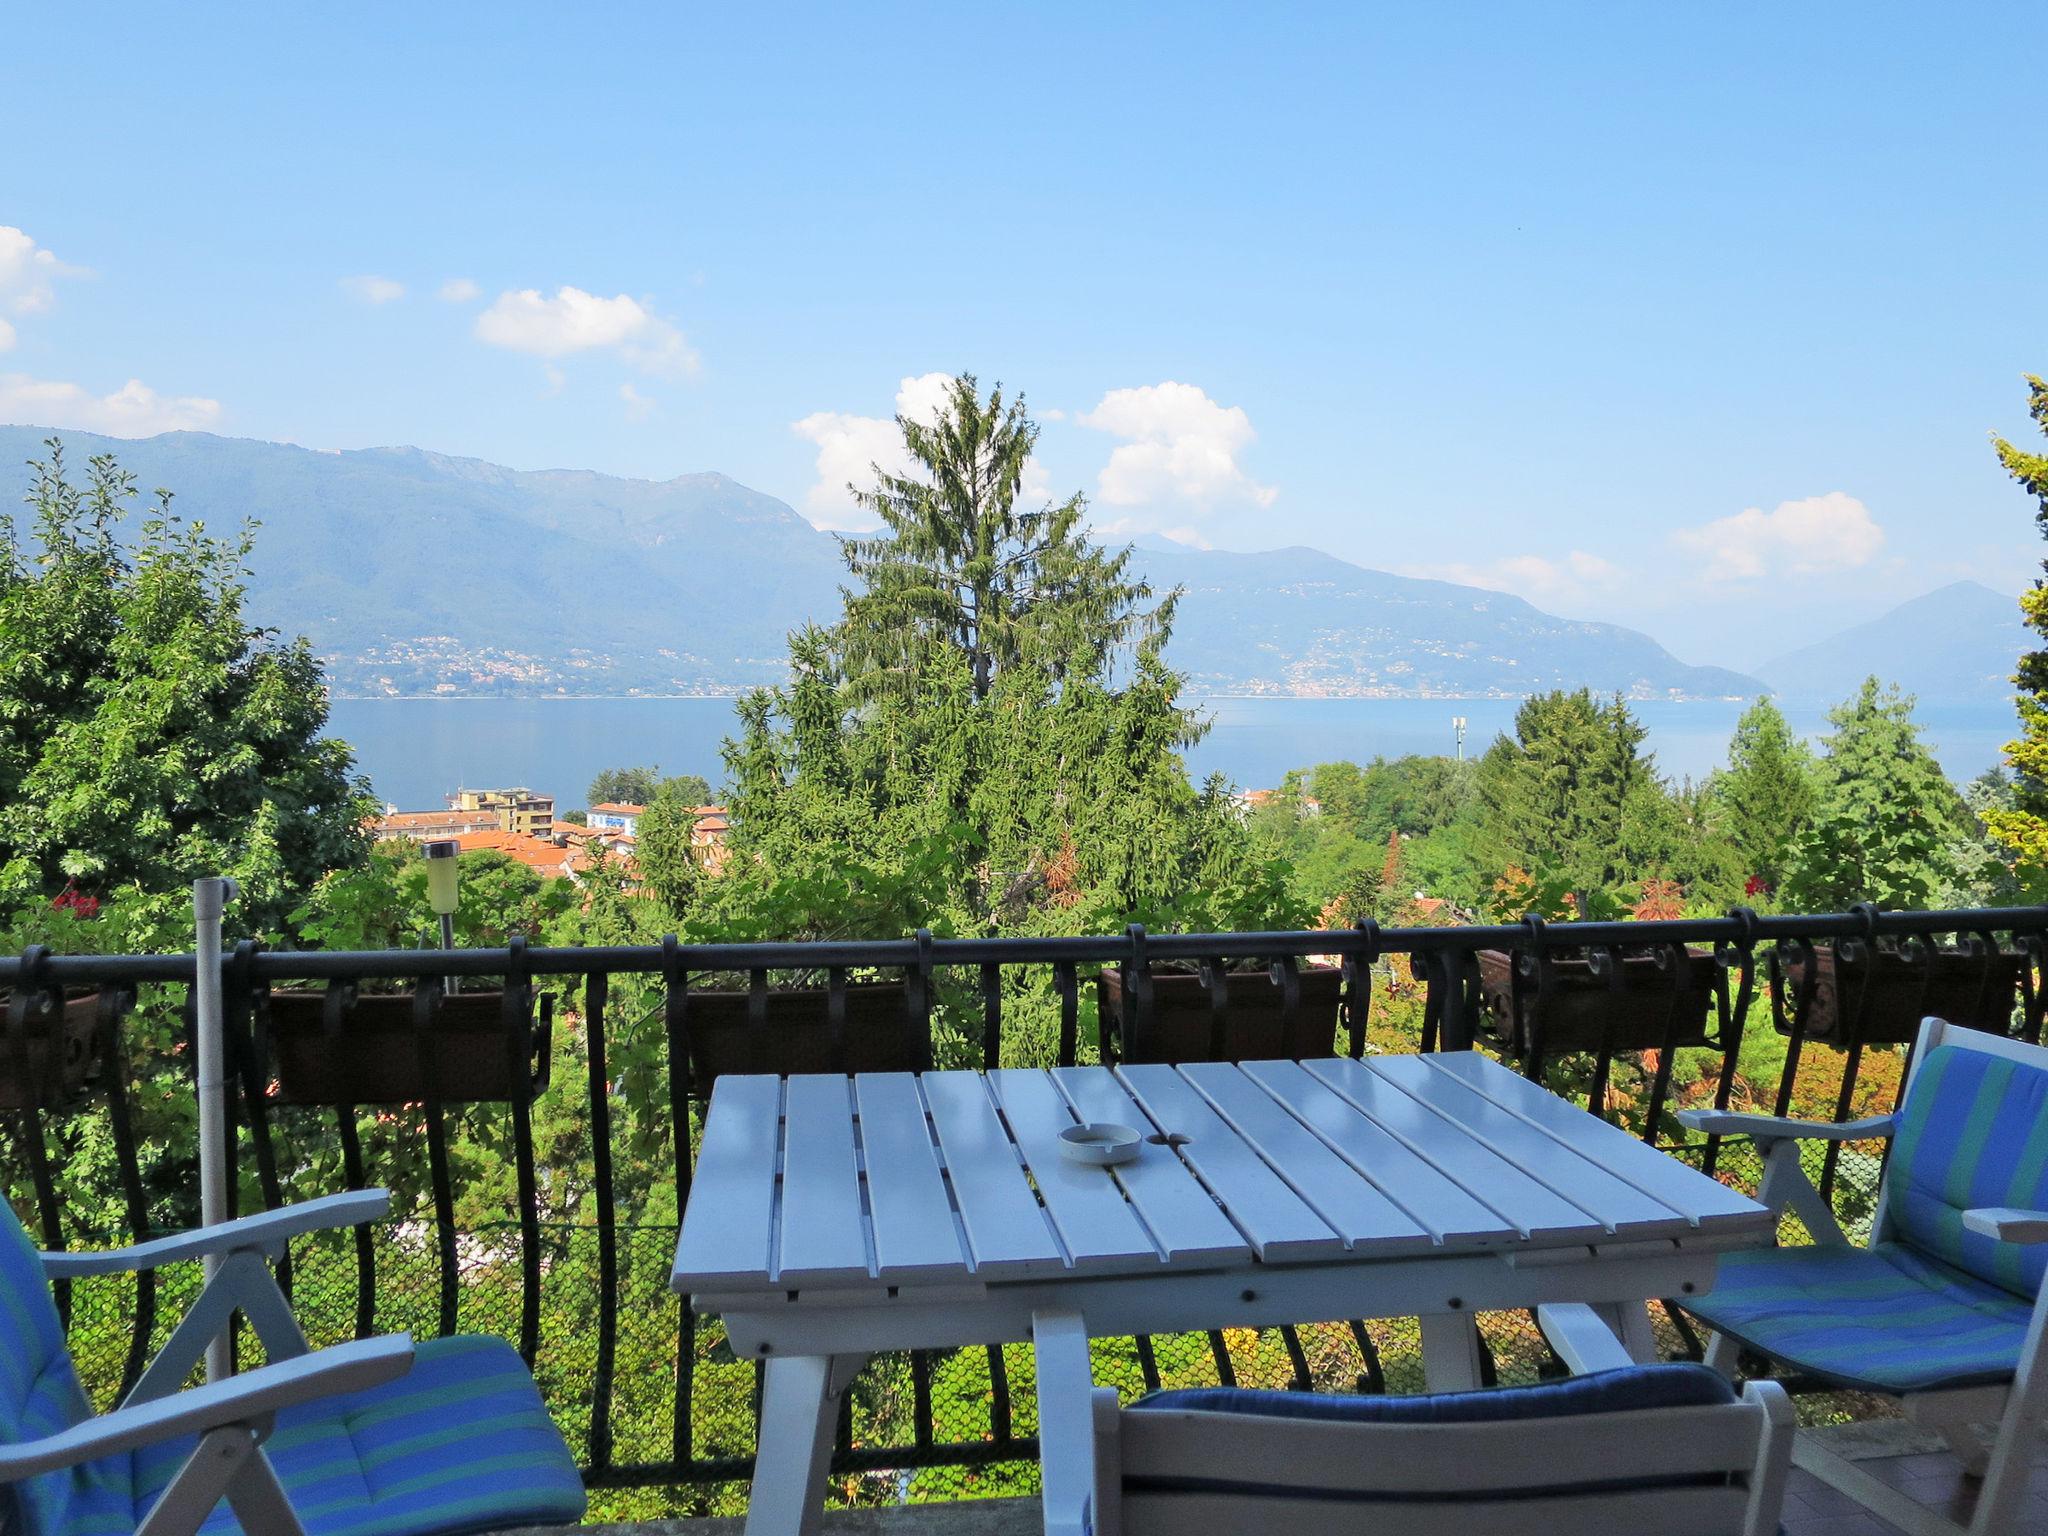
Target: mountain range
{"points": [[415, 573], [1957, 643]]}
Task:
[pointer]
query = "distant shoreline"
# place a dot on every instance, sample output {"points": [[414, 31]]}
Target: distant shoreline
{"points": [[1292, 698]]}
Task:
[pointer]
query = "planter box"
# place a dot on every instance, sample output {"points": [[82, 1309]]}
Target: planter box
{"points": [[797, 1035], [63, 1052], [376, 1056], [1178, 1025], [1584, 1012], [1893, 991]]}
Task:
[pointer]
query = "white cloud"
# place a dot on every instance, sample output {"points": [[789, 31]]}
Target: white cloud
{"points": [[459, 290], [373, 290], [1814, 534], [133, 410], [638, 406], [1034, 486], [1180, 446], [27, 274], [1578, 576], [851, 447], [575, 321]]}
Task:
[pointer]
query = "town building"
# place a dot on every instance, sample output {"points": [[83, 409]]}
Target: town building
{"points": [[707, 837], [624, 818], [518, 810], [429, 826]]}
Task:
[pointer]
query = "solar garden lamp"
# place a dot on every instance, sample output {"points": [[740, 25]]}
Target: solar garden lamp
{"points": [[442, 893]]}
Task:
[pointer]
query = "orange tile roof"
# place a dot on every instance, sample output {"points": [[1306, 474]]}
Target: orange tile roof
{"points": [[536, 853], [410, 821], [614, 808]]}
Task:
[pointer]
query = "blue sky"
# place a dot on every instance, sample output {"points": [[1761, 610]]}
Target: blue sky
{"points": [[1538, 296]]}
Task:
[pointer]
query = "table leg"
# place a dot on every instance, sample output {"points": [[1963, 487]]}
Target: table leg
{"points": [[799, 1409], [1630, 1321], [1450, 1351]]}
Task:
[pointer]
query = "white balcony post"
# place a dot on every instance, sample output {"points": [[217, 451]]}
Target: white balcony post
{"points": [[209, 899]]}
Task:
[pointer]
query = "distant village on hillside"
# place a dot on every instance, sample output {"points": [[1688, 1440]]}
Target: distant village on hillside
{"points": [[522, 825]]}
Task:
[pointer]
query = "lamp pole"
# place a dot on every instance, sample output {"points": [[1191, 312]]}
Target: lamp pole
{"points": [[442, 893], [209, 899]]}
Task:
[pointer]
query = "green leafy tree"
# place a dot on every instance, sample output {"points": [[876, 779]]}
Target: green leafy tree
{"points": [[961, 566], [149, 733], [1977, 873], [2022, 826], [1885, 815], [640, 786], [1762, 800]]}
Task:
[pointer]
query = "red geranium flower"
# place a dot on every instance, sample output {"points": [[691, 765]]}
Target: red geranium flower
{"points": [[73, 900]]}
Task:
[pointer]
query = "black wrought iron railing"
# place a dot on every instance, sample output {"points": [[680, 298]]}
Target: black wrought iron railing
{"points": [[536, 1111]]}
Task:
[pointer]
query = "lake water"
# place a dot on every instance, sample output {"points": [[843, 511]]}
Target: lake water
{"points": [[417, 750]]}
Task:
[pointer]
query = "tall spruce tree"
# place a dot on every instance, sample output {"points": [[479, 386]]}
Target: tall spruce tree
{"points": [[1884, 815], [1556, 797], [1762, 800], [990, 738], [2022, 826], [960, 565]]}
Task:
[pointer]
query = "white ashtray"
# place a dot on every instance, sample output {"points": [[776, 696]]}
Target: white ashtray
{"points": [[1102, 1144]]}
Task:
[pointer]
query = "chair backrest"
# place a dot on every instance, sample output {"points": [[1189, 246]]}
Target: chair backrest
{"points": [[39, 1390], [1670, 1449], [1973, 1132]]}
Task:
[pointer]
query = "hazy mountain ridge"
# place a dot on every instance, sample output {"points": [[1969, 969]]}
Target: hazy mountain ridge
{"points": [[1957, 643], [1321, 626], [416, 572]]}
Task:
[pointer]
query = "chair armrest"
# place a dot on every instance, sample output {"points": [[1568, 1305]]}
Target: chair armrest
{"points": [[267, 1231], [249, 1397], [1723, 1122], [2008, 1225]]}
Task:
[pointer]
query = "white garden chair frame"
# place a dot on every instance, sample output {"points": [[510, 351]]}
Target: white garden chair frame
{"points": [[2014, 1411], [1089, 1444], [232, 1417]]}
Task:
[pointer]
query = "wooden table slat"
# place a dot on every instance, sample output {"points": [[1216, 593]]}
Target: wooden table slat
{"points": [[1086, 1204], [1006, 1227], [917, 1235], [824, 1236], [1530, 1208], [1188, 1225], [1622, 1208], [1433, 1200], [730, 1222], [1711, 1203], [1280, 1225], [1366, 1219]]}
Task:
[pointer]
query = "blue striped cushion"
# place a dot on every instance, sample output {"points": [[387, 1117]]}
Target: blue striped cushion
{"points": [[1974, 1133], [460, 1443], [39, 1393], [1884, 1319], [1616, 1391]]}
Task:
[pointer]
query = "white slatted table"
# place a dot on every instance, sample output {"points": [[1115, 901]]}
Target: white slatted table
{"points": [[833, 1217]]}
